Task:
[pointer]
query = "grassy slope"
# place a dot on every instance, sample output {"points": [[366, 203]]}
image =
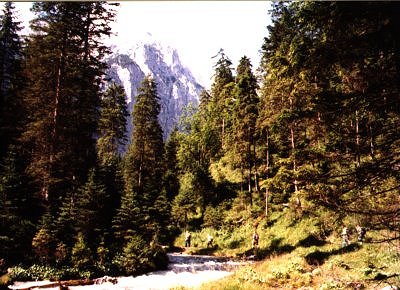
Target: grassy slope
{"points": [[295, 255]]}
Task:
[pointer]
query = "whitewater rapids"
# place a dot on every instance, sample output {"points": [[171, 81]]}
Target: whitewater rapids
{"points": [[183, 270]]}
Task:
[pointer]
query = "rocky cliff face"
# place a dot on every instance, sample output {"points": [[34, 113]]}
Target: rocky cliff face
{"points": [[176, 85]]}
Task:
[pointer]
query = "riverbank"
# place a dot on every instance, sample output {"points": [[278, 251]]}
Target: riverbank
{"points": [[302, 254], [292, 254], [183, 271]]}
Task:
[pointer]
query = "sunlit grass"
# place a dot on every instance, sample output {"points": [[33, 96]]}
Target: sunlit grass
{"points": [[296, 255]]}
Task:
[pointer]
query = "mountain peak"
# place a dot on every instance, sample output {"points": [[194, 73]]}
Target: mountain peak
{"points": [[176, 85]]}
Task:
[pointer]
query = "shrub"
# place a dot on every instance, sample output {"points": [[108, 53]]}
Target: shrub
{"points": [[138, 257], [61, 253], [42, 245], [159, 257], [35, 272], [81, 255], [135, 256], [18, 273], [214, 217]]}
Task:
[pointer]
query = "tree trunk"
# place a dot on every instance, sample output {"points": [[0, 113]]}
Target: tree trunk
{"points": [[87, 32], [242, 177], [267, 176], [256, 185], [293, 147], [371, 139], [56, 108], [358, 159], [249, 174], [292, 125], [140, 171], [222, 132], [294, 157]]}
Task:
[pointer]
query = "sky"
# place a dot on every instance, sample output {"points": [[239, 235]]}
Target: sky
{"points": [[196, 29]]}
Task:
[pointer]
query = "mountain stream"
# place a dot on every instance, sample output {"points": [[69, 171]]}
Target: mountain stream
{"points": [[183, 270]]}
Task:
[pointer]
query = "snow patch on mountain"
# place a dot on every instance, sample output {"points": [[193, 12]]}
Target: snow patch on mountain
{"points": [[123, 75]]}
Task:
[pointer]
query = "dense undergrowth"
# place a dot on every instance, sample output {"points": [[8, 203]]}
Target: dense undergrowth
{"points": [[304, 253], [138, 259]]}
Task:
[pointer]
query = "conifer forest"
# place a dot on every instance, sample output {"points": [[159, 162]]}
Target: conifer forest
{"points": [[312, 133]]}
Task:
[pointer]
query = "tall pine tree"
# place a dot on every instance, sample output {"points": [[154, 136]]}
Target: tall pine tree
{"points": [[221, 97], [16, 224], [112, 123], [329, 106], [11, 57], [143, 164], [287, 111], [244, 122], [64, 70]]}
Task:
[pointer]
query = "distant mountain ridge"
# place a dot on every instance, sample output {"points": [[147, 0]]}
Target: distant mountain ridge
{"points": [[176, 86]]}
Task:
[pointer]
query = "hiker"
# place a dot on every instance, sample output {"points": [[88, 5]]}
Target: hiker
{"points": [[255, 239], [345, 237], [361, 233], [188, 236], [209, 241]]}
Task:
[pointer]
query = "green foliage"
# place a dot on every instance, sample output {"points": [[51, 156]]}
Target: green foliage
{"points": [[45, 240], [128, 218], [217, 112], [90, 202], [143, 164], [135, 257], [322, 120], [61, 254], [112, 123], [11, 78], [111, 176], [66, 220], [42, 245], [214, 217], [187, 204], [64, 70], [34, 272], [320, 136], [18, 274], [224, 170], [81, 255], [102, 257], [170, 177], [40, 272], [85, 212], [16, 208], [245, 113]]}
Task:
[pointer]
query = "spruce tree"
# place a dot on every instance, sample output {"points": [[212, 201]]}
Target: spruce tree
{"points": [[11, 80], [16, 224], [89, 206], [328, 107], [81, 255], [64, 71], [86, 213], [243, 136], [198, 146], [110, 144], [221, 97], [45, 241], [287, 112], [171, 173], [144, 160], [67, 219], [359, 108], [112, 123], [129, 218]]}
